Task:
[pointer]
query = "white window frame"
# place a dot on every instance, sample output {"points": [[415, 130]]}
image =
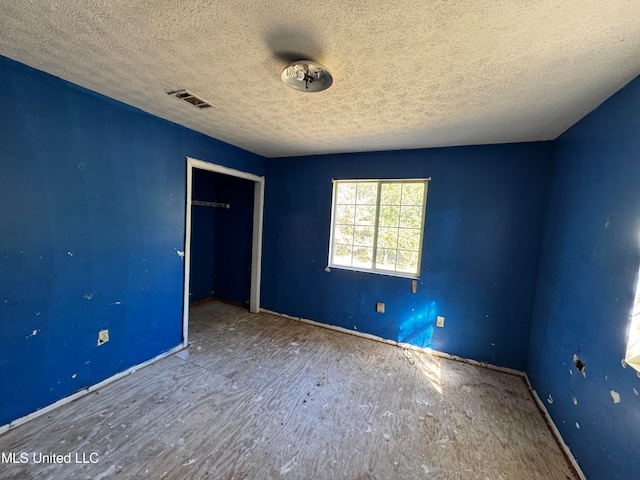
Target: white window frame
{"points": [[632, 356], [380, 182]]}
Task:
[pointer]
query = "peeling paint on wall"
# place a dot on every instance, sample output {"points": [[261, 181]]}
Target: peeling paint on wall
{"points": [[580, 365], [33, 334], [616, 396]]}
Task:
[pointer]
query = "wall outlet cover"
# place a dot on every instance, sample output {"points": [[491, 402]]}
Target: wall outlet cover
{"points": [[440, 321], [380, 307]]}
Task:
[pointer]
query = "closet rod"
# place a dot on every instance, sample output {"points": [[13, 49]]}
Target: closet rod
{"points": [[210, 204]]}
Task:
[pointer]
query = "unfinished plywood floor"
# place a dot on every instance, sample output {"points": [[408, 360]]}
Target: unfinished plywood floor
{"points": [[263, 397]]}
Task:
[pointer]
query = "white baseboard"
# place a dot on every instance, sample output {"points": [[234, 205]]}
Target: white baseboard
{"points": [[130, 370], [407, 346], [567, 451], [543, 409], [82, 393]]}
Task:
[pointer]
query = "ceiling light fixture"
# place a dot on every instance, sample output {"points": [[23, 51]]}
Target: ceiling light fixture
{"points": [[307, 76]]}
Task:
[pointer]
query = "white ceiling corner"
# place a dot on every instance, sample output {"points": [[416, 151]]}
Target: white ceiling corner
{"points": [[406, 74]]}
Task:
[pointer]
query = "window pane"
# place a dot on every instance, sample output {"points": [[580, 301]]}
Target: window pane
{"points": [[346, 192], [390, 194], [363, 236], [407, 262], [388, 238], [343, 234], [386, 259], [389, 216], [390, 212], [365, 215], [410, 217], [345, 214], [342, 255], [409, 239], [412, 193], [636, 303], [362, 257], [367, 193]]}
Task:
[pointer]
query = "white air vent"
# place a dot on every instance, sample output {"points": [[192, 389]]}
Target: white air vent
{"points": [[190, 98]]}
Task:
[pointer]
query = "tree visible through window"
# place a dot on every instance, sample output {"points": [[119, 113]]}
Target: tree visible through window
{"points": [[377, 225]]}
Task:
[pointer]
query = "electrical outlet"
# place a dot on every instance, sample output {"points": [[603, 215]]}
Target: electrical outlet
{"points": [[103, 337], [440, 321], [380, 307]]}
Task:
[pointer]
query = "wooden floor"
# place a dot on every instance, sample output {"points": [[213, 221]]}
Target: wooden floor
{"points": [[263, 397]]}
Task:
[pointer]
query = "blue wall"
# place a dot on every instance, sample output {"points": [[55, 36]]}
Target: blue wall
{"points": [[589, 268], [484, 222], [92, 215]]}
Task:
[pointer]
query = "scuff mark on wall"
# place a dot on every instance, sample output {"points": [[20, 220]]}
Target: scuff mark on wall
{"points": [[89, 296], [550, 399], [33, 334], [180, 254], [575, 400]]}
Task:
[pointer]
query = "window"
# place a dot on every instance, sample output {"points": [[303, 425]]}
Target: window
{"points": [[633, 346], [377, 225]]}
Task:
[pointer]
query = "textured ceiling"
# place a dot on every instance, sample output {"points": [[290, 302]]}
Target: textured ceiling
{"points": [[407, 74]]}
